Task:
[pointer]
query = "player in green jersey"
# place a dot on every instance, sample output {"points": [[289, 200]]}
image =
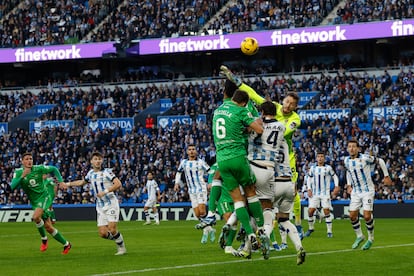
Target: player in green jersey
{"points": [[30, 178], [230, 121], [286, 114], [215, 181]]}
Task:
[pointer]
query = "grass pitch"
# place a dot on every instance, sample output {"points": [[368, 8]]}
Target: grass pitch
{"points": [[174, 248]]}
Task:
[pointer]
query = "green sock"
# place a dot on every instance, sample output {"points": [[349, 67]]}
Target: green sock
{"points": [[215, 194], [41, 228], [256, 211], [230, 237], [59, 237], [244, 218]]}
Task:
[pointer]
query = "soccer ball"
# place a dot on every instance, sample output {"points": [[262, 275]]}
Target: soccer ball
{"points": [[249, 46]]}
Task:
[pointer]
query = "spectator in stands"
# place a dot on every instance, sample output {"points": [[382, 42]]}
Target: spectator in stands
{"points": [[149, 122]]}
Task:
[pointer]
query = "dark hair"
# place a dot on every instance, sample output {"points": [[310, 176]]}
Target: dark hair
{"points": [[293, 95], [26, 153], [268, 108], [240, 96], [353, 140], [320, 152], [98, 154], [229, 88]]}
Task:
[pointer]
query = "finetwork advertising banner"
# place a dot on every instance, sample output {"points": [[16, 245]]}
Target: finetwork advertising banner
{"points": [[333, 114], [56, 52], [320, 34]]}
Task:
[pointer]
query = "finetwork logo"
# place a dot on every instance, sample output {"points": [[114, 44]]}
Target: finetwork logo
{"points": [[400, 29], [24, 55], [281, 38], [192, 45]]}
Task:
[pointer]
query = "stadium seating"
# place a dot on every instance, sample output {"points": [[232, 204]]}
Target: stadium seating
{"points": [[161, 149]]}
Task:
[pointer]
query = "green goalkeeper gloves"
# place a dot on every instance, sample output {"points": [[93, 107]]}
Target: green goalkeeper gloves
{"points": [[230, 76]]}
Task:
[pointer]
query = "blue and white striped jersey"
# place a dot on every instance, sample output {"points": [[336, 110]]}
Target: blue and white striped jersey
{"points": [[358, 173], [152, 188], [319, 179], [100, 181], [270, 148], [194, 172]]}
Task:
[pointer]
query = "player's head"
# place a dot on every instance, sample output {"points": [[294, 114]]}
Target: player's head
{"points": [[229, 89], [268, 108], [96, 160], [191, 152], [27, 160], [240, 97], [290, 103], [150, 176], [353, 148], [320, 158]]}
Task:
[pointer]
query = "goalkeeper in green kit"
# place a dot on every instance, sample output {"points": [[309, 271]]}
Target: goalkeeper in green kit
{"points": [[30, 178]]}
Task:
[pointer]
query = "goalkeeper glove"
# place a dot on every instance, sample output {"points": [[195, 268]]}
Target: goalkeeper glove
{"points": [[230, 76]]}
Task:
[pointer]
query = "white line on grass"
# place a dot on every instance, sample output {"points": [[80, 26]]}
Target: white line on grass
{"points": [[241, 260]]}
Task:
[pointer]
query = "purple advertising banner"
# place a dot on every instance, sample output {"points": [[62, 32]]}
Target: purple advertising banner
{"points": [[319, 34], [56, 52]]}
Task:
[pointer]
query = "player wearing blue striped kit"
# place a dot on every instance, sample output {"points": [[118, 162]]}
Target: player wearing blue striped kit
{"points": [[319, 181], [195, 171], [359, 168]]}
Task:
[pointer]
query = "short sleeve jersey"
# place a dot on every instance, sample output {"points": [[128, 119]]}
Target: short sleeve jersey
{"points": [[33, 183], [100, 181], [194, 172], [359, 172], [320, 178], [229, 130], [152, 187]]}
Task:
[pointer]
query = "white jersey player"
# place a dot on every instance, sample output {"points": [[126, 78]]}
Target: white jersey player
{"points": [[195, 171], [361, 187], [270, 163], [153, 191], [319, 181], [104, 183]]}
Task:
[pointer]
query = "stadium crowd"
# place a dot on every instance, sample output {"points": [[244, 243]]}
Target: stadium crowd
{"points": [[133, 154], [33, 23]]}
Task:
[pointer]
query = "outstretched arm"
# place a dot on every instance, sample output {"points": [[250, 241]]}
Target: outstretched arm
{"points": [[242, 86]]}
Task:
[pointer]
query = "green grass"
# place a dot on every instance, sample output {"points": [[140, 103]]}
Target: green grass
{"points": [[173, 248]]}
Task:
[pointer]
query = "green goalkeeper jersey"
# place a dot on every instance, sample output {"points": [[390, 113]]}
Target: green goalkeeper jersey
{"points": [[229, 130], [33, 184]]}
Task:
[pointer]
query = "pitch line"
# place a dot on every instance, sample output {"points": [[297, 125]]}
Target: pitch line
{"points": [[241, 260]]}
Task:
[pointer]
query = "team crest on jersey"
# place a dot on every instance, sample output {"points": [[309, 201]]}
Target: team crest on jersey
{"points": [[292, 125]]}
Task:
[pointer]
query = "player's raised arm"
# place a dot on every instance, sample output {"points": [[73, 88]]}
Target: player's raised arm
{"points": [[242, 86]]}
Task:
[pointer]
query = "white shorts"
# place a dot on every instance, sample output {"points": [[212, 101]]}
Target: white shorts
{"points": [[264, 181], [320, 201], [364, 200], [151, 202], [284, 195], [198, 198], [108, 213]]}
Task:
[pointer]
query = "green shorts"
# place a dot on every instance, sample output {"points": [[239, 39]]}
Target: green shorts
{"points": [[43, 202], [225, 203], [235, 172]]}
